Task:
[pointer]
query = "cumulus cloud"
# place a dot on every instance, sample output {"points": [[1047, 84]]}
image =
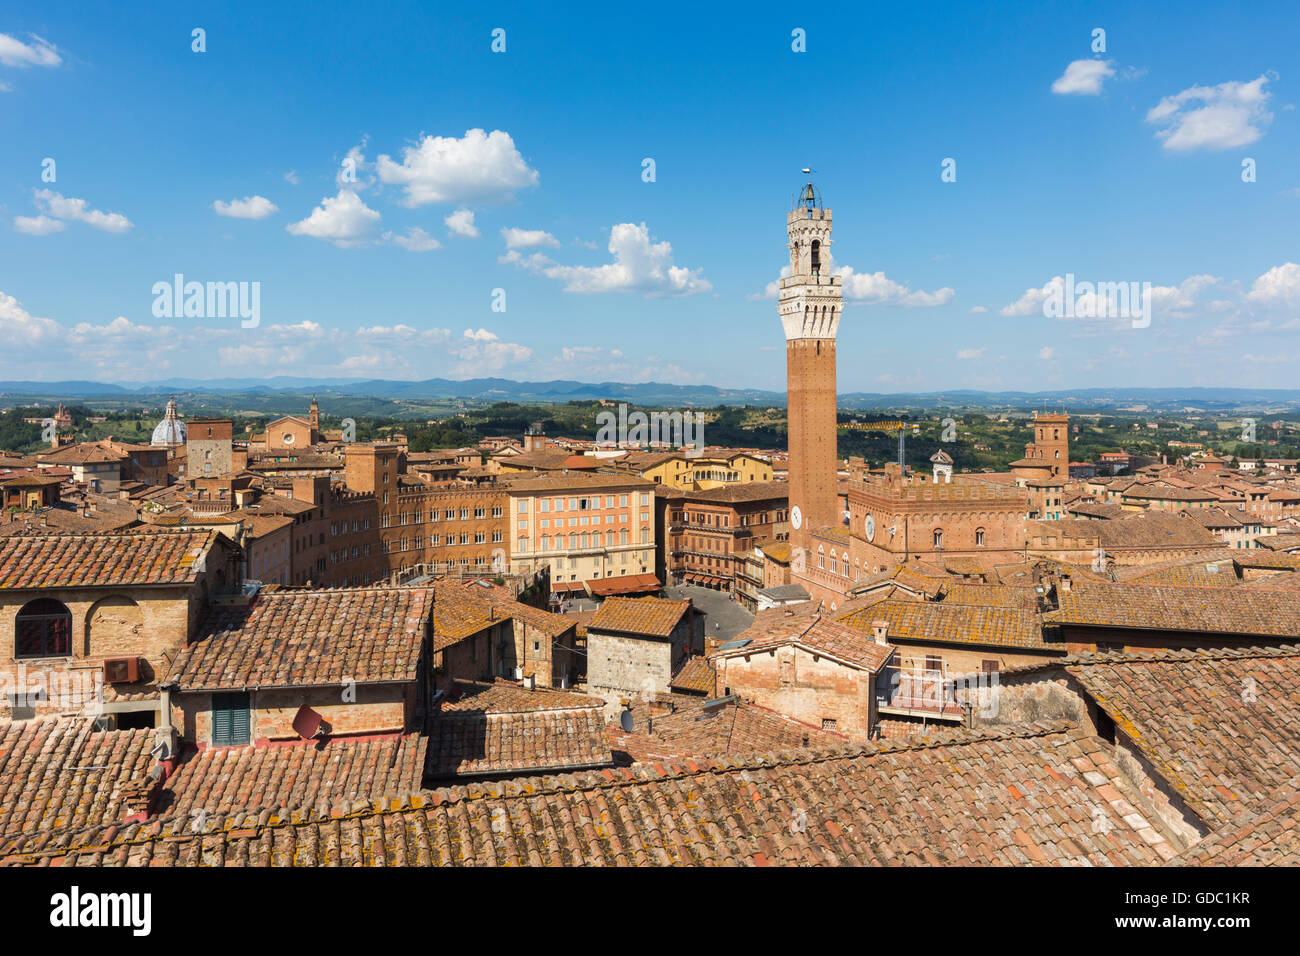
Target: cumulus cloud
{"points": [[529, 239], [461, 223], [967, 354], [640, 265], [415, 240], [1083, 78], [250, 207], [1031, 303], [56, 206], [40, 52], [21, 328], [481, 351], [1280, 284], [343, 219], [38, 225], [1047, 353], [479, 167], [291, 177], [1213, 117], [875, 288]]}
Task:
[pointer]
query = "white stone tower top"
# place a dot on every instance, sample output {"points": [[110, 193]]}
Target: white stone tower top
{"points": [[811, 299]]}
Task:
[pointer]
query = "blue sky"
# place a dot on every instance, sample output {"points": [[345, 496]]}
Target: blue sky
{"points": [[522, 171]]}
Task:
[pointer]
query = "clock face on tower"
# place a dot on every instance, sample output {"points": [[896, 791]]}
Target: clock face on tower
{"points": [[869, 526], [796, 518]]}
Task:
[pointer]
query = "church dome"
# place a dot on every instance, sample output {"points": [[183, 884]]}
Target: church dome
{"points": [[171, 430]]}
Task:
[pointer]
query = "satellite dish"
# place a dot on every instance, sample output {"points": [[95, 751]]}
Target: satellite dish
{"points": [[625, 721]]}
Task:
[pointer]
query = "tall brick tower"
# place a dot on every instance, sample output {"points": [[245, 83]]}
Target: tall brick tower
{"points": [[1051, 442], [810, 306]]}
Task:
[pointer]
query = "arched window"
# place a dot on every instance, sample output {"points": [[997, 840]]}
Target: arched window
{"points": [[43, 629], [816, 256], [938, 537]]}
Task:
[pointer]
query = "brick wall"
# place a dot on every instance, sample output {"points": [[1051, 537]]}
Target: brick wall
{"points": [[812, 689]]}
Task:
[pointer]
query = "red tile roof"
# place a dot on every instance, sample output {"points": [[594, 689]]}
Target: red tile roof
{"points": [[1222, 726], [504, 728], [655, 617], [99, 560], [58, 774], [1237, 611], [677, 727], [294, 638], [221, 781], [1030, 795]]}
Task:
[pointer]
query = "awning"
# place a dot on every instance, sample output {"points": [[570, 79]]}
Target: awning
{"points": [[628, 584], [565, 587]]}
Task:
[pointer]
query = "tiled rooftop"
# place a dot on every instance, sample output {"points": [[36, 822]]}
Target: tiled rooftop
{"points": [[1220, 726], [651, 616], [678, 726], [1035, 795], [224, 780], [1237, 611], [295, 638], [99, 560], [57, 774], [1010, 627], [502, 728]]}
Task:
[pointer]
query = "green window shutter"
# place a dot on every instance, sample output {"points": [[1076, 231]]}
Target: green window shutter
{"points": [[230, 720]]}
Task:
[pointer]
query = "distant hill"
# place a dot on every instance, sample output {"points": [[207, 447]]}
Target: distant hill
{"points": [[662, 394]]}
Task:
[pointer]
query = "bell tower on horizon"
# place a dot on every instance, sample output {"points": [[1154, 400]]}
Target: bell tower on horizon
{"points": [[810, 303]]}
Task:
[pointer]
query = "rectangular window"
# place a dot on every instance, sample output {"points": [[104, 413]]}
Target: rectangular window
{"points": [[230, 720]]}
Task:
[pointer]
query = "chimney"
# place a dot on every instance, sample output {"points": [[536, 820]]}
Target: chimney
{"points": [[879, 631], [1064, 584]]}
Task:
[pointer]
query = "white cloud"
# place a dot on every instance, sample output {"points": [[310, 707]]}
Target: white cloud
{"points": [[479, 167], [402, 335], [1279, 284], [481, 351], [343, 219], [640, 265], [292, 177], [14, 52], [1047, 353], [1213, 117], [1178, 300], [1083, 77], [20, 327], [38, 225], [1031, 303], [415, 240], [250, 207], [6, 88], [967, 354], [529, 239], [976, 310], [875, 288], [461, 223], [77, 210]]}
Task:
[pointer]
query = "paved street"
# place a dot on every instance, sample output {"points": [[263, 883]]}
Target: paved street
{"points": [[718, 609]]}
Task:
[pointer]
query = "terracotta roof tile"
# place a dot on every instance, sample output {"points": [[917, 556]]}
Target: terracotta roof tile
{"points": [[1245, 612], [57, 773], [296, 638], [503, 728], [652, 616], [937, 803], [97, 560]]}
